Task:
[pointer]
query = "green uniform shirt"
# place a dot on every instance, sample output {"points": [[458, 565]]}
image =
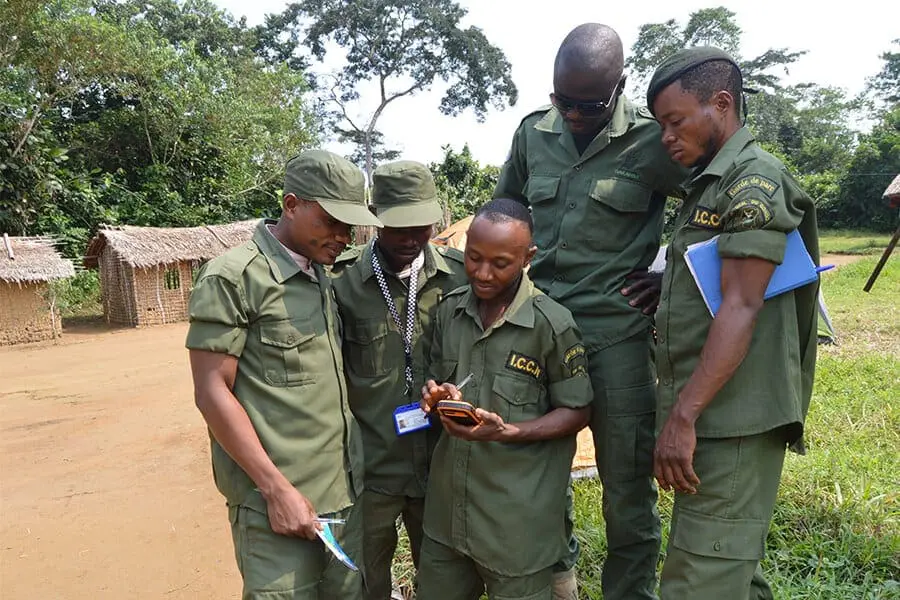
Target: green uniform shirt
{"points": [[504, 504], [254, 302], [597, 216], [747, 197], [375, 362]]}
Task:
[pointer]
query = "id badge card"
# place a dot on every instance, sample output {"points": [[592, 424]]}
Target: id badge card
{"points": [[409, 418]]}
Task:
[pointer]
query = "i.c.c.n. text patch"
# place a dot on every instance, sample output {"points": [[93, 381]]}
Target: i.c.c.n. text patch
{"points": [[522, 363]]}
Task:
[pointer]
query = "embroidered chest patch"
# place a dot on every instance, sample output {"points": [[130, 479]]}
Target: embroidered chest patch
{"points": [[524, 364]]}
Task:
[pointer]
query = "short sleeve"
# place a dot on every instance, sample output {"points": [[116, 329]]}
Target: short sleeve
{"points": [[756, 218], [218, 317], [567, 372], [514, 173]]}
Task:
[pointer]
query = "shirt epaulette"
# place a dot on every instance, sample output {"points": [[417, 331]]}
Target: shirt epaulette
{"points": [[451, 253], [232, 264], [557, 315]]}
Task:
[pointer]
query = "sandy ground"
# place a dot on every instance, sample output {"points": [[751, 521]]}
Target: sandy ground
{"points": [[105, 486]]}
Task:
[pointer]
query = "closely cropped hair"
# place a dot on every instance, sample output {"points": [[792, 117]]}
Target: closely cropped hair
{"points": [[503, 210], [706, 79]]}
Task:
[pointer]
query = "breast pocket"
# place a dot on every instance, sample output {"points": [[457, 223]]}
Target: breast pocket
{"points": [[367, 348], [286, 346], [616, 213], [517, 398], [541, 194]]}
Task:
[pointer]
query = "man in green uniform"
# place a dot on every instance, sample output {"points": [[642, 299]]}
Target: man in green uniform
{"points": [[596, 179], [388, 291], [496, 503], [268, 379], [733, 389]]}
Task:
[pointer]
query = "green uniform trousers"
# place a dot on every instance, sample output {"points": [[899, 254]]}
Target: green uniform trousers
{"points": [[380, 513], [448, 575], [622, 423], [277, 567], [718, 535]]}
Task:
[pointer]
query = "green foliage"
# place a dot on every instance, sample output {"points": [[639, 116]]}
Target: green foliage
{"points": [[886, 84], [851, 241], [462, 183], [78, 296], [147, 113], [875, 162], [403, 46], [705, 27]]}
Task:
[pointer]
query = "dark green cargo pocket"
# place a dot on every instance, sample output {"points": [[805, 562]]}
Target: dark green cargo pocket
{"points": [[707, 535], [629, 432], [367, 348], [283, 343], [617, 207], [517, 399], [541, 194]]}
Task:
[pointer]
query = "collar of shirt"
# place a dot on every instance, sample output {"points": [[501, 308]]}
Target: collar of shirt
{"points": [[519, 312], [281, 261], [434, 262], [724, 158]]}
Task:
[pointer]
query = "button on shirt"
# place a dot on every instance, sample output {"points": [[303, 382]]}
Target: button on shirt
{"points": [[504, 504], [374, 360], [748, 198], [254, 303], [597, 216]]}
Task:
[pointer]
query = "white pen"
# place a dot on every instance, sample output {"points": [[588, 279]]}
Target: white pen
{"points": [[331, 521], [468, 378]]}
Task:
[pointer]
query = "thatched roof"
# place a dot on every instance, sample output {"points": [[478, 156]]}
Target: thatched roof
{"points": [[31, 260], [893, 191], [144, 247]]}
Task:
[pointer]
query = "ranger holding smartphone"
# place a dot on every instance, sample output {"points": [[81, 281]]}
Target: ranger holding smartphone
{"points": [[500, 484]]}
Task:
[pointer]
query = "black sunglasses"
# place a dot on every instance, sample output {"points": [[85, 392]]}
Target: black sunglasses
{"points": [[585, 109]]}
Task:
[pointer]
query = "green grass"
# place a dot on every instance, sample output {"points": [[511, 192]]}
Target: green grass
{"points": [[852, 241], [836, 530]]}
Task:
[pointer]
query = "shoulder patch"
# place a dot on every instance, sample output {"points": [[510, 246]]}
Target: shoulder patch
{"points": [[557, 315], [522, 363], [759, 182], [645, 112], [575, 360], [748, 214], [705, 218]]}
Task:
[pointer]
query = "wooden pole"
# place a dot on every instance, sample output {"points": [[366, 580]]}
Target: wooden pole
{"points": [[883, 260]]}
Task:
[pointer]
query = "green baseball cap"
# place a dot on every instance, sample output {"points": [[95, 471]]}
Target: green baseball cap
{"points": [[672, 68], [403, 195], [334, 182]]}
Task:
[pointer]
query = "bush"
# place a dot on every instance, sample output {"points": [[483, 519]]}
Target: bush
{"points": [[78, 296]]}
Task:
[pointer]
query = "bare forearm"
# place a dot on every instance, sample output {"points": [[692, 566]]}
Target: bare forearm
{"points": [[230, 425], [558, 423]]}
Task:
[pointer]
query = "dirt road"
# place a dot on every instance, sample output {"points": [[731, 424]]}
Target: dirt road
{"points": [[105, 486]]}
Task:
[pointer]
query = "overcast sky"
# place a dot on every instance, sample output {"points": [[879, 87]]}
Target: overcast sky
{"points": [[843, 44]]}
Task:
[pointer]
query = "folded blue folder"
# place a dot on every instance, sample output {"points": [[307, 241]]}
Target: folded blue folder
{"points": [[705, 265]]}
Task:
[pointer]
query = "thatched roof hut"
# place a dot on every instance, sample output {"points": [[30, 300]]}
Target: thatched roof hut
{"points": [[146, 273], [27, 308], [144, 247], [892, 193]]}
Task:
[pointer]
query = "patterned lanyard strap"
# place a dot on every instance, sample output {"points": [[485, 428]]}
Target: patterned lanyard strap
{"points": [[407, 332]]}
